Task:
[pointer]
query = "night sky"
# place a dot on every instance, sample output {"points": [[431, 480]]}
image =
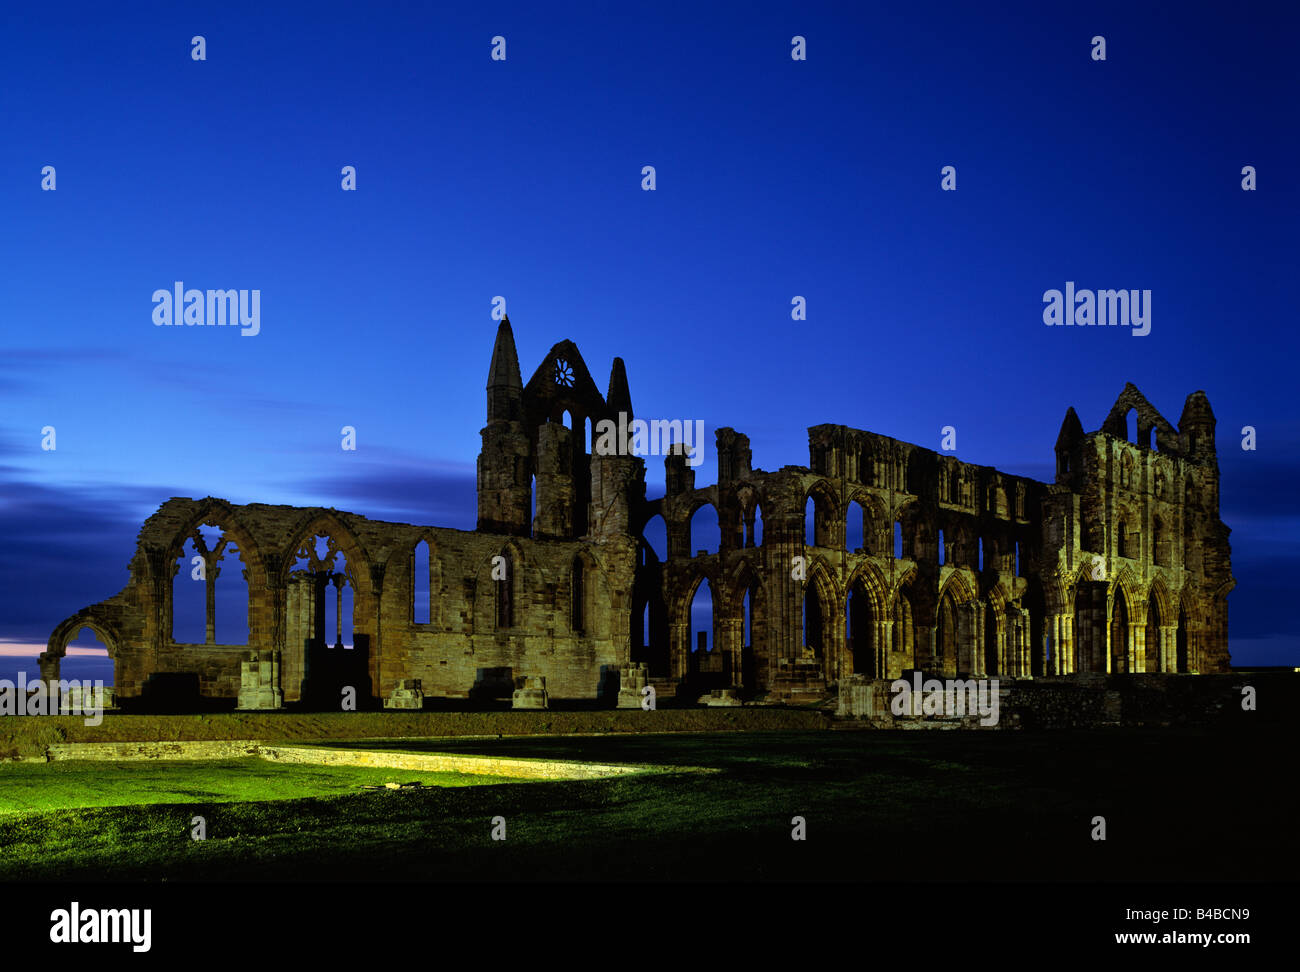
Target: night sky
{"points": [[522, 178]]}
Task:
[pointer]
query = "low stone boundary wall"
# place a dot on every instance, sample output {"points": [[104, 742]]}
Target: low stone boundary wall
{"points": [[532, 769], [126, 751], [1149, 700], [22, 736], [871, 700], [508, 766]]}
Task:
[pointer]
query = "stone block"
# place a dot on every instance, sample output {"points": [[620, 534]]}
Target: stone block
{"points": [[409, 694], [722, 697], [77, 698], [530, 693], [259, 682], [631, 680], [857, 697]]}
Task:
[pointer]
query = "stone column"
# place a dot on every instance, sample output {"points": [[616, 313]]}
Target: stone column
{"points": [[166, 604], [210, 571], [1008, 657], [785, 598], [372, 621], [885, 649], [321, 585], [49, 663], [338, 608], [926, 638], [1024, 661], [1004, 635], [679, 648], [835, 648], [732, 632], [1014, 664], [270, 615]]}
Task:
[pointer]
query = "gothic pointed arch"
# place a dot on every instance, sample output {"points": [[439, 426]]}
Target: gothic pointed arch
{"points": [[422, 562], [751, 506], [1122, 614], [868, 531], [959, 587], [505, 571], [327, 523], [98, 621], [587, 588], [822, 602], [67, 631], [873, 582], [1124, 584], [221, 514], [1148, 418], [827, 517], [680, 604], [213, 546], [562, 383]]}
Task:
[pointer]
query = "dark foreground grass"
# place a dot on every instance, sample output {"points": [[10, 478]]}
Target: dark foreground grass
{"points": [[890, 807]]}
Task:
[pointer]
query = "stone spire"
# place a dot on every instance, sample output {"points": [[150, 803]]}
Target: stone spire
{"points": [[1069, 452], [504, 387], [1071, 430], [1196, 426], [618, 398]]}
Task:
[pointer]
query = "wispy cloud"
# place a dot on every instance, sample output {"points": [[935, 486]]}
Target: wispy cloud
{"points": [[391, 484]]}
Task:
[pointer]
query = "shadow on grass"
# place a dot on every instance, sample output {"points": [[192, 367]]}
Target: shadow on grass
{"points": [[889, 807]]}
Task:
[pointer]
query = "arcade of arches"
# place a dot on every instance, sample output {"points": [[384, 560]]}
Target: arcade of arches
{"points": [[876, 558]]}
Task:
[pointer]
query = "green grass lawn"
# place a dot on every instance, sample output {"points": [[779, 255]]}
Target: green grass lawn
{"points": [[32, 787], [879, 806]]}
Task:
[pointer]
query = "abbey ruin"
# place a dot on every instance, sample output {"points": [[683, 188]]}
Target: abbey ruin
{"points": [[910, 560]]}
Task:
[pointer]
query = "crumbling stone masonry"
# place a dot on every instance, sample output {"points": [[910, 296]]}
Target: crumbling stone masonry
{"points": [[1119, 566]]}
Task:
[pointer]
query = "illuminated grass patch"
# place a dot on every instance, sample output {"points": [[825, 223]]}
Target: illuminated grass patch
{"points": [[72, 784]]}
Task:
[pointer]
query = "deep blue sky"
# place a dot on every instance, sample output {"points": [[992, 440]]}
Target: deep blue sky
{"points": [[522, 178]]}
